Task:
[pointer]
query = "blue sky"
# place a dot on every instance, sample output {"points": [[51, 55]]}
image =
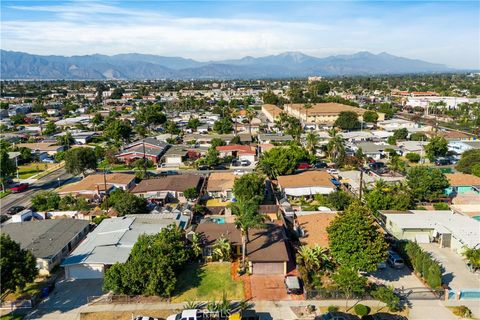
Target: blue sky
{"points": [[441, 31]]}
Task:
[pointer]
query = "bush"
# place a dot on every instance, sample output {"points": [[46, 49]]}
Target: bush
{"points": [[388, 296], [362, 310], [462, 311], [332, 308], [441, 206], [412, 157]]}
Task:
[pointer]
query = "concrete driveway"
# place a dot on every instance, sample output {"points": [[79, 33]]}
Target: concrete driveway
{"points": [[398, 278], [456, 273], [68, 295]]}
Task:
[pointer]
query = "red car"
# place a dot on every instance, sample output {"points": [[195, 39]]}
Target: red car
{"points": [[19, 187], [303, 166]]}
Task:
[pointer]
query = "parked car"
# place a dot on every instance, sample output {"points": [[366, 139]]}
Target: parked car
{"points": [[443, 162], [15, 209], [244, 315], [189, 314], [145, 318], [19, 187], [236, 163], [219, 167], [382, 265], [239, 172], [48, 160], [332, 171], [320, 165], [394, 260], [333, 316], [169, 173], [244, 163], [303, 166], [292, 284], [203, 168], [376, 165]]}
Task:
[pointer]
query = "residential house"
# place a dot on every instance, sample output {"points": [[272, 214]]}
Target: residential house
{"points": [[176, 155], [220, 185], [150, 148], [266, 252], [270, 138], [462, 183], [48, 240], [111, 242], [375, 151], [444, 227], [168, 189], [40, 147], [238, 151], [460, 147], [95, 186], [204, 140], [306, 183], [417, 147]]}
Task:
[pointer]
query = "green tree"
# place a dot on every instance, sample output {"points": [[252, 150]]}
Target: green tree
{"points": [[336, 147], [7, 167], [389, 197], [426, 183], [247, 219], [400, 134], [79, 160], [211, 157], [222, 250], [280, 161], [153, 266], [350, 282], [26, 154], [50, 128], [118, 130], [191, 193], [413, 157], [46, 200], [436, 147], [18, 266], [289, 125], [311, 141], [418, 136], [150, 115], [66, 140], [171, 127], [216, 142], [355, 241], [370, 116], [223, 125], [347, 120], [193, 123], [468, 160], [127, 203], [117, 93], [476, 169], [250, 186], [386, 295], [69, 202]]}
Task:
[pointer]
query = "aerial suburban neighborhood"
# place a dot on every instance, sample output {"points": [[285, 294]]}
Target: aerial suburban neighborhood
{"points": [[315, 194], [239, 160]]}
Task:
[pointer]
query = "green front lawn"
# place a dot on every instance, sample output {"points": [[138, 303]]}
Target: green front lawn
{"points": [[4, 193], [207, 282], [28, 170]]}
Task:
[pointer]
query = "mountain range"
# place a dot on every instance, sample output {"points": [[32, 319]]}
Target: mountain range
{"points": [[135, 66]]}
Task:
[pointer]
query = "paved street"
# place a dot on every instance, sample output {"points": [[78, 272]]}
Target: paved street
{"points": [[48, 182]]}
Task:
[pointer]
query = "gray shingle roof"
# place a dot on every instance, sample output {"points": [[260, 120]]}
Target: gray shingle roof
{"points": [[44, 238]]}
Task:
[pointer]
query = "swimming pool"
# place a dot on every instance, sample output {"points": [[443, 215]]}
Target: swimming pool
{"points": [[470, 294], [476, 218], [218, 220]]}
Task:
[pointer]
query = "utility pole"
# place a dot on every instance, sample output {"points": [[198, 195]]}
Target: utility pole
{"points": [[144, 159], [105, 186]]}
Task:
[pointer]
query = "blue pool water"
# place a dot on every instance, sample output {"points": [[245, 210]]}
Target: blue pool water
{"points": [[218, 220], [476, 218], [471, 294]]}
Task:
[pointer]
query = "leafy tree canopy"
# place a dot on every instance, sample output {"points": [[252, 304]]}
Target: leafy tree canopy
{"points": [[223, 125], [127, 203], [426, 183], [79, 160], [468, 160], [437, 147], [250, 186], [347, 120], [355, 241], [282, 160], [370, 116]]}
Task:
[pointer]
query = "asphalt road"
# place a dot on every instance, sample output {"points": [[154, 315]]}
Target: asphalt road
{"points": [[49, 182]]}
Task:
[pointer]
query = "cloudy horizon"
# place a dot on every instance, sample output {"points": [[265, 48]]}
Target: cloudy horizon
{"points": [[439, 32]]}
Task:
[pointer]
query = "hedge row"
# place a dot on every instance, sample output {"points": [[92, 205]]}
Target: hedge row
{"points": [[422, 263]]}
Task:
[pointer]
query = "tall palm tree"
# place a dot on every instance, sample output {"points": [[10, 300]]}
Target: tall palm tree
{"points": [[250, 115], [222, 249], [311, 141], [247, 218], [233, 115], [335, 146]]}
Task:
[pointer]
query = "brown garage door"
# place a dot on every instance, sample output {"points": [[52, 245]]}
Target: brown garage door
{"points": [[268, 268]]}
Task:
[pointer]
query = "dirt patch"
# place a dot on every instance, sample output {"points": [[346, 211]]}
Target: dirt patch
{"points": [[125, 315]]}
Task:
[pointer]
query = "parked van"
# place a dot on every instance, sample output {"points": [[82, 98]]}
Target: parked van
{"points": [[394, 260]]}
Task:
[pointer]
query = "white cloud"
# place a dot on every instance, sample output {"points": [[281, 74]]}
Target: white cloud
{"points": [[87, 28]]}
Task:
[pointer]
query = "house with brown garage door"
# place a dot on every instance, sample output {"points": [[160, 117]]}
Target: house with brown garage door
{"points": [[150, 148], [267, 251]]}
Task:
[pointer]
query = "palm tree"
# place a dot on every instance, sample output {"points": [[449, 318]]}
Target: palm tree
{"points": [[250, 115], [473, 257], [247, 218], [311, 141], [335, 146], [314, 258], [233, 115], [222, 249]]}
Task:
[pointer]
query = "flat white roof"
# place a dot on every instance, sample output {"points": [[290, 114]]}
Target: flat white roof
{"points": [[463, 228]]}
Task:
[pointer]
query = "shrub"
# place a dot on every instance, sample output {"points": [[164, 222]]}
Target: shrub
{"points": [[441, 206], [332, 308], [462, 311], [362, 310], [412, 157], [388, 296]]}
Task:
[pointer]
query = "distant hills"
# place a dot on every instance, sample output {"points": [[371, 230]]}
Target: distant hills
{"points": [[135, 66]]}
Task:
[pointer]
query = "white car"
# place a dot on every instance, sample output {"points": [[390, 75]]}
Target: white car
{"points": [[190, 314], [239, 172], [332, 171]]}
